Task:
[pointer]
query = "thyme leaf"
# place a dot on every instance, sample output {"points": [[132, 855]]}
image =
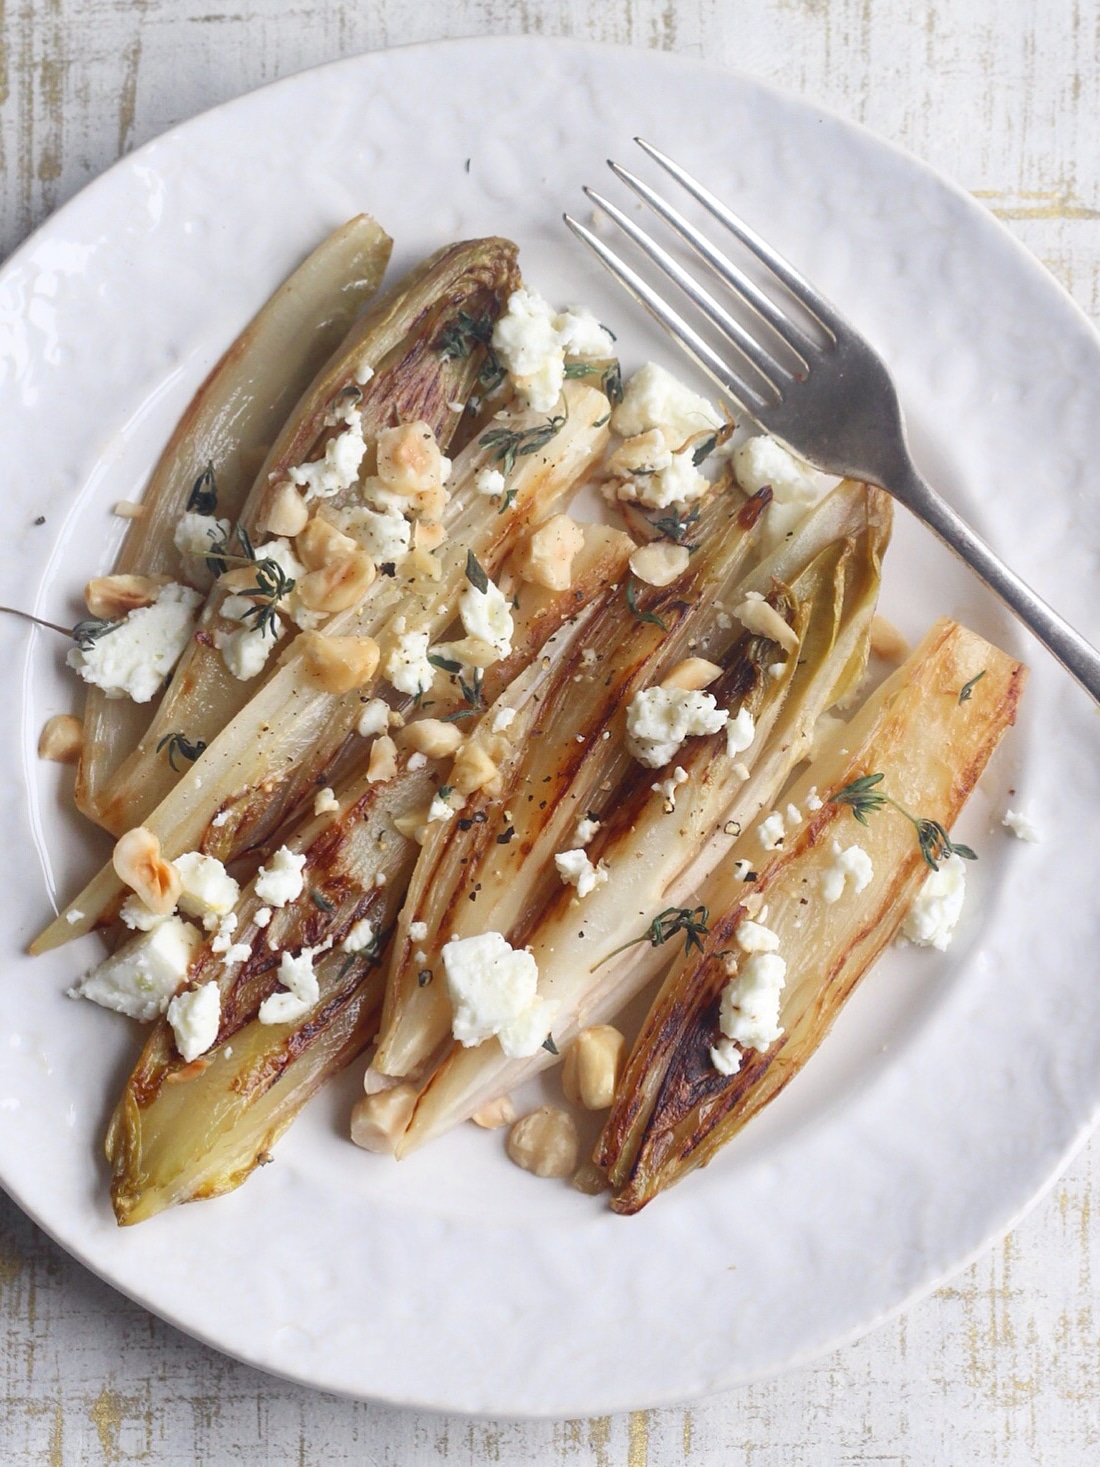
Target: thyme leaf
{"points": [[676, 526], [864, 796], [474, 573], [178, 743], [203, 498], [89, 631], [445, 664], [968, 688], [609, 373], [632, 602], [459, 337]]}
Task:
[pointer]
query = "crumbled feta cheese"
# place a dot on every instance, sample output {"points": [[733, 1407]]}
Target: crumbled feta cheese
{"points": [[575, 869], [493, 991], [136, 915], [302, 989], [417, 761], [743, 870], [141, 977], [359, 937], [363, 372], [585, 831], [489, 482], [740, 732], [133, 659], [245, 652], [418, 931], [931, 920], [658, 720], [813, 799], [223, 937], [384, 534], [771, 831], [239, 952], [793, 816], [339, 467], [1022, 826], [373, 719], [532, 341], [195, 1016], [848, 867], [760, 463], [503, 718], [668, 787], [325, 802], [407, 665], [654, 398], [262, 916], [754, 937], [207, 888], [725, 1056], [486, 614], [281, 880], [749, 1009], [439, 809]]}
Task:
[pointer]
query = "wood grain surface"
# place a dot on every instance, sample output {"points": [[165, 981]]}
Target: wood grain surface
{"points": [[1000, 1366]]}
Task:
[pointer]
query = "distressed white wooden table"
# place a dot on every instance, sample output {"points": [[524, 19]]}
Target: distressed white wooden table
{"points": [[1003, 1364]]}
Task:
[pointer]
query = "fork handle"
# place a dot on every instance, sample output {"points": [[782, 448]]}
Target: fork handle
{"points": [[1076, 655]]}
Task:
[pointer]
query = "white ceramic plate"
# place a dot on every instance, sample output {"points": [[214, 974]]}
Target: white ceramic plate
{"points": [[952, 1087]]}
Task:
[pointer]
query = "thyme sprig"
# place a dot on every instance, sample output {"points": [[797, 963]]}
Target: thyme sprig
{"points": [[508, 444], [677, 526], [864, 796], [272, 586], [967, 688], [178, 743], [459, 337], [693, 922]]}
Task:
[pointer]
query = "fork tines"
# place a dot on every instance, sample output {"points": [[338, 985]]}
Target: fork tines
{"points": [[771, 366]]}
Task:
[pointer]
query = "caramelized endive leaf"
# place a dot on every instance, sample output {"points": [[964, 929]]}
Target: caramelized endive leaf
{"points": [[272, 754], [592, 955], [184, 1131], [411, 379], [674, 1110], [229, 425]]}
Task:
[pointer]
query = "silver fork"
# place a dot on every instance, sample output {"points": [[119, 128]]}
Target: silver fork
{"points": [[832, 402]]}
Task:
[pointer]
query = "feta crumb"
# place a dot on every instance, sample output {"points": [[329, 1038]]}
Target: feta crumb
{"points": [[359, 937], [207, 888], [418, 931], [742, 869], [486, 614], [133, 659], [417, 761], [749, 1009], [195, 1016], [223, 937], [725, 1056], [532, 341], [503, 718], [489, 482], [762, 462], [302, 989], [658, 720], [238, 952], [74, 915], [654, 398], [754, 937], [575, 869], [338, 468], [771, 831], [934, 915], [385, 534], [493, 991], [194, 537], [439, 809], [407, 666], [141, 977], [740, 732], [325, 802], [668, 787], [136, 915], [262, 916], [848, 867], [281, 880], [585, 831], [1022, 826], [374, 718], [813, 799]]}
